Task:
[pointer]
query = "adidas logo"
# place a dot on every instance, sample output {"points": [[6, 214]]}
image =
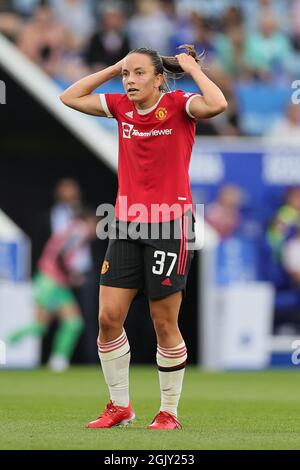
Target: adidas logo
{"points": [[129, 114], [166, 282]]}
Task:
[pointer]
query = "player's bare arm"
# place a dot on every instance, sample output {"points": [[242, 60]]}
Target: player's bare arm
{"points": [[213, 101], [79, 96]]}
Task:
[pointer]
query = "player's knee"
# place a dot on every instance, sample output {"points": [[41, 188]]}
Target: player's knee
{"points": [[109, 318], [164, 327]]}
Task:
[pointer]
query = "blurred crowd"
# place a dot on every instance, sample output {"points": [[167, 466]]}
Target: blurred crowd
{"points": [[242, 41], [277, 247]]}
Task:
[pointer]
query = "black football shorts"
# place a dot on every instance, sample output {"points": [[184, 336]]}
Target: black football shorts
{"points": [[154, 258]]}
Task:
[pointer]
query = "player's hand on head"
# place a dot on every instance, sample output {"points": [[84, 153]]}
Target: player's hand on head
{"points": [[118, 66], [187, 62]]}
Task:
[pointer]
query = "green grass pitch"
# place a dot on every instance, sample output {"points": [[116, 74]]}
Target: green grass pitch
{"points": [[230, 410]]}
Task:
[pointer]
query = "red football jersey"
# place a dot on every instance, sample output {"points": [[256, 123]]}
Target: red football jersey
{"points": [[155, 148]]}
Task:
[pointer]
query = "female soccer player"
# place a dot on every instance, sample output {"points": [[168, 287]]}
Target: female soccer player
{"points": [[156, 135]]}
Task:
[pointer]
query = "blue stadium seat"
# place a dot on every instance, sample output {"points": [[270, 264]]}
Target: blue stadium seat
{"points": [[256, 100]]}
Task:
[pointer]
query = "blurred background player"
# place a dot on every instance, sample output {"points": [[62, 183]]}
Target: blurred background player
{"points": [[291, 256], [68, 202], [224, 213], [285, 220], [52, 287], [282, 262]]}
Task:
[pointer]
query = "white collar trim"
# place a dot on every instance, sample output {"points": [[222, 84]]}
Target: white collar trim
{"points": [[146, 111]]}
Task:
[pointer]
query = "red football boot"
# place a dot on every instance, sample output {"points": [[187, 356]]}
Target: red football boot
{"points": [[165, 420], [113, 416]]}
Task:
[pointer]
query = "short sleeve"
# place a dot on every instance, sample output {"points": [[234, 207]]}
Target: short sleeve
{"points": [[109, 103], [184, 100]]}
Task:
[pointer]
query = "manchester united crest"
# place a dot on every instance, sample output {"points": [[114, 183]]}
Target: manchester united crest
{"points": [[161, 113], [105, 267]]}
